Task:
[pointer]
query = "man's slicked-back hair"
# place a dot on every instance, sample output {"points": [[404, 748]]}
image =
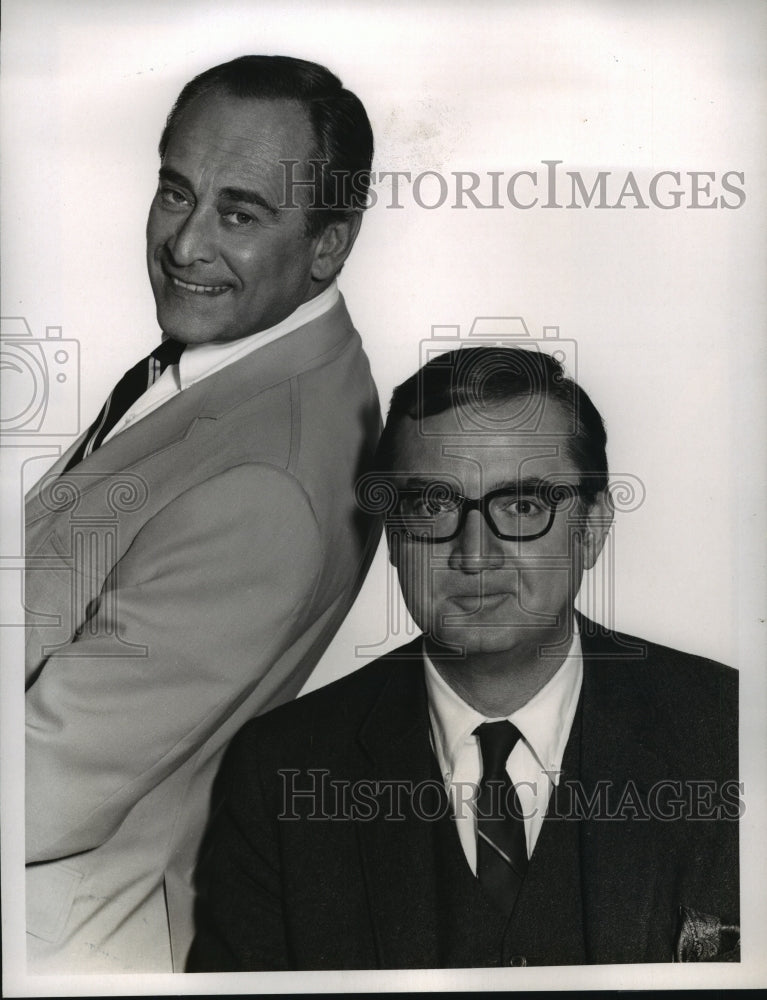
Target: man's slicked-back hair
{"points": [[343, 138], [477, 379]]}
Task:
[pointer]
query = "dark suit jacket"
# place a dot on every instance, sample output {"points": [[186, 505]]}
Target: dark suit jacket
{"points": [[318, 893]]}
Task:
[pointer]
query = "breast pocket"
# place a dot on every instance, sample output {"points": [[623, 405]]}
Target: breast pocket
{"points": [[51, 891]]}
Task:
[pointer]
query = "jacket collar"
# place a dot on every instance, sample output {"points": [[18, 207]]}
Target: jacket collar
{"points": [[304, 348]]}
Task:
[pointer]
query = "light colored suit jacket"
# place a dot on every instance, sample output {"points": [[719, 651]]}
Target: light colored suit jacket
{"points": [[185, 577]]}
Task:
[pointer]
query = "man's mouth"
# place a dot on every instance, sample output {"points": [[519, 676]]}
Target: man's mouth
{"points": [[472, 603], [188, 286]]}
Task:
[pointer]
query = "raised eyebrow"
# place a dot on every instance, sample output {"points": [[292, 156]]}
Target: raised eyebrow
{"points": [[169, 174], [417, 483], [530, 484], [249, 198], [229, 193]]}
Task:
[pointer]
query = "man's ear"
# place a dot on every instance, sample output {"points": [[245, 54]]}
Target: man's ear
{"points": [[598, 521], [334, 245]]}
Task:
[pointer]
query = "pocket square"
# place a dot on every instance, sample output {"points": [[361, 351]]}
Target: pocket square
{"points": [[704, 938]]}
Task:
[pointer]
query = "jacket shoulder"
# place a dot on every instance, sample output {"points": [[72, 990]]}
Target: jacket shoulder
{"points": [[690, 702], [602, 643], [337, 708]]}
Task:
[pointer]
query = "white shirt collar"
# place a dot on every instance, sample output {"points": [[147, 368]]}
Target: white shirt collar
{"points": [[200, 360], [544, 721]]}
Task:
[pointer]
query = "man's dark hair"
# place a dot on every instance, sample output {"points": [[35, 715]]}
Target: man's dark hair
{"points": [[476, 379], [343, 138]]}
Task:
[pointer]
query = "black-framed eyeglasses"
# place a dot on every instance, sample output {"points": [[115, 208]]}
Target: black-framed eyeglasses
{"points": [[437, 512]]}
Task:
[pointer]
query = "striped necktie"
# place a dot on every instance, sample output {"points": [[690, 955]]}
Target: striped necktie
{"points": [[501, 844], [131, 387]]}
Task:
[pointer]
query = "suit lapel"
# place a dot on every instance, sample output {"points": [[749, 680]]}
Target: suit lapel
{"points": [[546, 924], [169, 425], [620, 762], [173, 422], [398, 853]]}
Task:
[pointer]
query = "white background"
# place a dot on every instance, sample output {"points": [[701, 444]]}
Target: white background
{"points": [[667, 308]]}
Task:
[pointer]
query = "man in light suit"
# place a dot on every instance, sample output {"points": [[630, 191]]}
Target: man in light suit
{"points": [[519, 785], [191, 556]]}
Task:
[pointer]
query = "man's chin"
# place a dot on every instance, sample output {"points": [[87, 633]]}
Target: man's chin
{"points": [[188, 329], [470, 640], [489, 639]]}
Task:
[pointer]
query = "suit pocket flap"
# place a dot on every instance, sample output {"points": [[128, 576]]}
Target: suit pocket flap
{"points": [[50, 893]]}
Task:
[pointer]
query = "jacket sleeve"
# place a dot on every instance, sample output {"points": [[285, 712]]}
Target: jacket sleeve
{"points": [[213, 589], [240, 916]]}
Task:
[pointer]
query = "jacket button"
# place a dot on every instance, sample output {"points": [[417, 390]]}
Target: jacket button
{"points": [[517, 960]]}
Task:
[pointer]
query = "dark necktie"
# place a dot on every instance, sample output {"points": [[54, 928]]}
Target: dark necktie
{"points": [[131, 387], [501, 846]]}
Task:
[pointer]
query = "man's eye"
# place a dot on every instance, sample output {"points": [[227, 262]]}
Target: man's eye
{"points": [[433, 502], [238, 218], [173, 198], [437, 506], [523, 507]]}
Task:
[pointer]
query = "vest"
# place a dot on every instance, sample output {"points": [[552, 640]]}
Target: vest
{"points": [[546, 925]]}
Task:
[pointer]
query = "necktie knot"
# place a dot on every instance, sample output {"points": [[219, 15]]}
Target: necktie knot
{"points": [[168, 353], [496, 740], [130, 388]]}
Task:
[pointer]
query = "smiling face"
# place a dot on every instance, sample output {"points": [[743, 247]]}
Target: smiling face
{"points": [[482, 593], [225, 260]]}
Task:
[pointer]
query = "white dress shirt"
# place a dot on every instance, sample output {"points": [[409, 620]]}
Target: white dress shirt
{"points": [[200, 360], [534, 764]]}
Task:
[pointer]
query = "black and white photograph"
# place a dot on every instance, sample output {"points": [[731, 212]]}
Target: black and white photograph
{"points": [[383, 469]]}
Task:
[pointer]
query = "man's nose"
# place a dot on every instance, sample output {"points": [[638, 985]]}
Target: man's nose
{"points": [[195, 238], [476, 547]]}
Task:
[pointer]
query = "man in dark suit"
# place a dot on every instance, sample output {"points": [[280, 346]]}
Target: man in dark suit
{"points": [[192, 555], [518, 786]]}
